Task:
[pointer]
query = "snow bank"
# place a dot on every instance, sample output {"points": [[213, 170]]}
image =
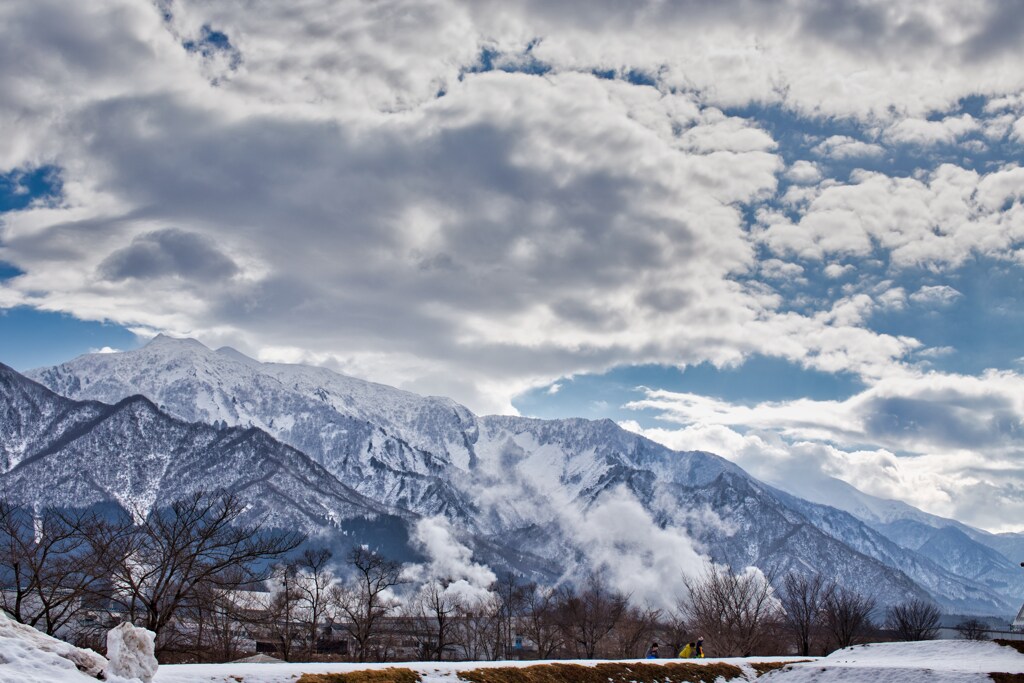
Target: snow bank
{"points": [[29, 656], [130, 653], [935, 661]]}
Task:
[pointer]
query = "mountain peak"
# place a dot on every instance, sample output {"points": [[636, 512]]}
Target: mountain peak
{"points": [[167, 340], [235, 354]]}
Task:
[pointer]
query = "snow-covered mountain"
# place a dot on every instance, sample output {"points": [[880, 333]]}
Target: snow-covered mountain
{"points": [[513, 486], [990, 559], [70, 452]]}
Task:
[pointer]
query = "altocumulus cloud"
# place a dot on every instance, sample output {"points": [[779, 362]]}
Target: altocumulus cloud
{"points": [[476, 198]]}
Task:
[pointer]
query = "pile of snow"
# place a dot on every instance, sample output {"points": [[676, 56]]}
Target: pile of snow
{"points": [[935, 661], [29, 656], [130, 653]]}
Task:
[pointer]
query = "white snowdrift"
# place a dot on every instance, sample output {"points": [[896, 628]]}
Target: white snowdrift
{"points": [[29, 656], [130, 653], [936, 661]]}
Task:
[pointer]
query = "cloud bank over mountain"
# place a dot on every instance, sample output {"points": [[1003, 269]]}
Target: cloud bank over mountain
{"points": [[482, 199]]}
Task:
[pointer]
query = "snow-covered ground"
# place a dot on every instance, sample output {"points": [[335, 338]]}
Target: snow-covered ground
{"points": [[27, 656], [925, 662], [936, 661], [430, 672]]}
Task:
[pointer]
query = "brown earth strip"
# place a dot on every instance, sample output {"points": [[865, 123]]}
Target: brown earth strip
{"points": [[609, 672], [389, 675]]}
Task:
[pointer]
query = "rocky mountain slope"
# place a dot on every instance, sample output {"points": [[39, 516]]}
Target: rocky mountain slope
{"points": [[136, 455], [510, 483]]}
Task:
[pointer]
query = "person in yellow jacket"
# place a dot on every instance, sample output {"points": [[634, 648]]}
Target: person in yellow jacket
{"points": [[687, 651]]}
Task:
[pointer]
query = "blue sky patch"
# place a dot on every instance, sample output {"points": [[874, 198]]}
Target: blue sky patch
{"points": [[759, 379], [20, 187], [979, 319], [30, 338], [211, 42]]}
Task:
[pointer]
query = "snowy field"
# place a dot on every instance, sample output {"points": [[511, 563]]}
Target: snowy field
{"points": [[926, 662], [27, 656], [430, 672]]}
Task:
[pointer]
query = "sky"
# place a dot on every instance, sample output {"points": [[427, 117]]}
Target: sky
{"points": [[788, 232]]}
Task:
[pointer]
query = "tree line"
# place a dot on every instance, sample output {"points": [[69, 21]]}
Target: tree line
{"points": [[209, 585]]}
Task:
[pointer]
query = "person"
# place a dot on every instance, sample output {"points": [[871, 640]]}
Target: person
{"points": [[698, 649], [652, 653], [687, 651]]}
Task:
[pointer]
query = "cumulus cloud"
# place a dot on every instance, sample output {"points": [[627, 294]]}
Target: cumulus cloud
{"points": [[804, 172], [834, 271], [477, 198], [935, 295], [937, 220], [840, 147], [924, 132]]}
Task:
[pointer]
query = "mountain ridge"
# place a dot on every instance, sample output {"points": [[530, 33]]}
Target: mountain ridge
{"points": [[499, 477]]}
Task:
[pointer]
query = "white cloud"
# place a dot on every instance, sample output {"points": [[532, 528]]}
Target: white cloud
{"points": [[834, 271], [957, 438], [924, 132], [449, 561], [105, 349], [935, 295], [517, 229], [804, 172], [844, 147], [1018, 130], [893, 299], [777, 269], [937, 220], [618, 537]]}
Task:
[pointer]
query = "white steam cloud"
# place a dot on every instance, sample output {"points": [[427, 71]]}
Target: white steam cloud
{"points": [[450, 561], [620, 539]]}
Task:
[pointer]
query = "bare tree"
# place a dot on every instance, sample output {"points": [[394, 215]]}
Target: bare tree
{"points": [[674, 631], [635, 631], [848, 617], [736, 612], [803, 600], [284, 619], [477, 627], [439, 608], [913, 620], [588, 614], [314, 582], [512, 593], [47, 565], [540, 622], [159, 565], [364, 599], [220, 621], [973, 629]]}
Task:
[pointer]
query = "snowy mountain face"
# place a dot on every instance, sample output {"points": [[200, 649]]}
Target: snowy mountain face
{"points": [[134, 454], [951, 546], [400, 455], [518, 489]]}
